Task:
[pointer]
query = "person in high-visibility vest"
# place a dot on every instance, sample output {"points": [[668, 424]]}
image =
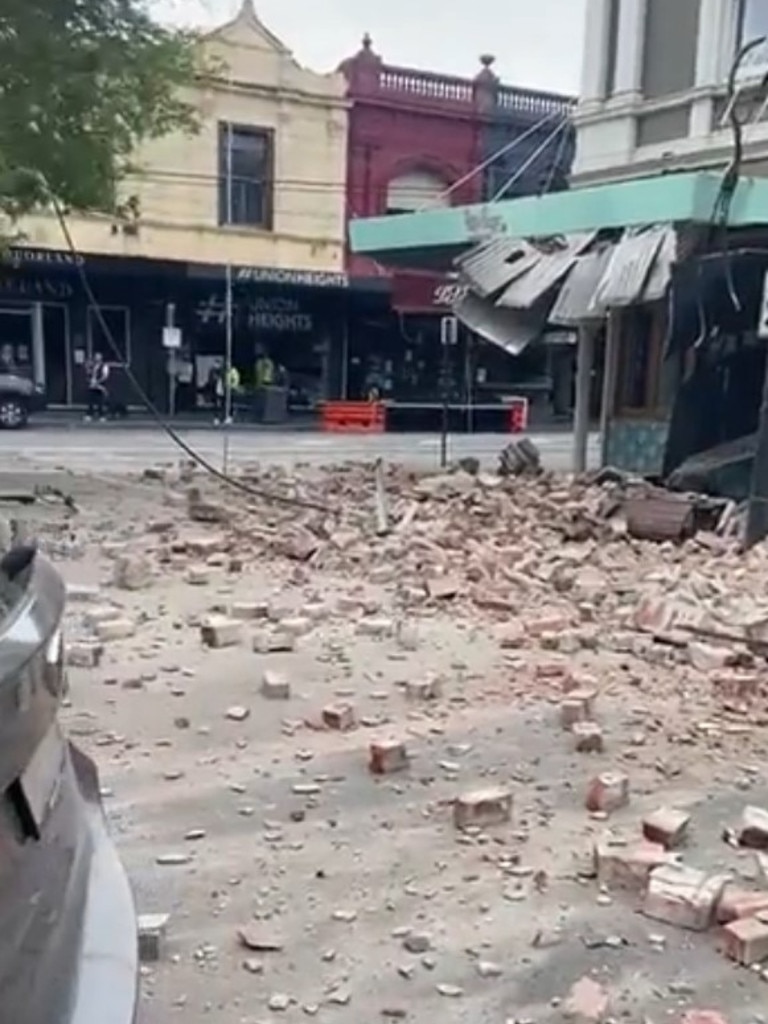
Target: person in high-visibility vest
{"points": [[265, 371], [220, 390]]}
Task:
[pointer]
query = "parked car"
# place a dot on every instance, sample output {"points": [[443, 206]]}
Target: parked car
{"points": [[19, 396], [69, 952]]}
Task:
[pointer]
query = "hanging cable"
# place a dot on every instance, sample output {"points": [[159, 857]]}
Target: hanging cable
{"points": [[519, 171], [239, 485], [502, 151]]}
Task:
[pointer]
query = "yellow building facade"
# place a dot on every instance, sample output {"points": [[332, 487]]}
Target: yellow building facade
{"points": [[263, 182]]}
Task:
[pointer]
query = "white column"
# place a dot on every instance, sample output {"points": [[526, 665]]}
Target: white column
{"points": [[594, 63], [717, 21], [629, 56], [38, 344]]}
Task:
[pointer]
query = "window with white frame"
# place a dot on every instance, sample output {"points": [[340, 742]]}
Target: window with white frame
{"points": [[752, 24]]}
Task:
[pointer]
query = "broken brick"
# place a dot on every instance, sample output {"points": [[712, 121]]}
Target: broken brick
{"points": [[753, 830], [587, 1002], [443, 588], [683, 896], [429, 688], [152, 931], [579, 706], [588, 737], [218, 631], [132, 572], [736, 903], [275, 686], [703, 1017], [628, 866], [707, 658], [737, 686], [666, 826], [746, 941], [247, 611], [340, 717], [387, 757], [266, 642], [116, 629], [84, 654], [482, 808], [607, 793]]}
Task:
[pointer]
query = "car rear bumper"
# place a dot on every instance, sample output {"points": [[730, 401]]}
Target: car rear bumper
{"points": [[107, 981]]}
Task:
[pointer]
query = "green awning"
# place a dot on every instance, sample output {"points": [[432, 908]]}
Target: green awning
{"points": [[435, 237]]}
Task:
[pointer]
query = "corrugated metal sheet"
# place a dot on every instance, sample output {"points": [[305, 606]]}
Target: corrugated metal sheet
{"points": [[512, 331], [551, 267], [629, 268], [493, 265], [575, 300], [661, 271]]}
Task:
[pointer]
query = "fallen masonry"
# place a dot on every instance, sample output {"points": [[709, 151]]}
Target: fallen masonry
{"points": [[500, 627]]}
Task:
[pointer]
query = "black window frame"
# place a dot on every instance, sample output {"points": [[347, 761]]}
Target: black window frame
{"points": [[242, 203]]}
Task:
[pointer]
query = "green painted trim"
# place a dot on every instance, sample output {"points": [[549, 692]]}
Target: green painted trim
{"points": [[665, 198]]}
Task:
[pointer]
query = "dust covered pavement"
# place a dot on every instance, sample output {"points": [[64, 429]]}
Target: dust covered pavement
{"points": [[396, 762]]}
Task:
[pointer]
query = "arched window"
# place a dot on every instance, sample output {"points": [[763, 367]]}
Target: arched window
{"points": [[416, 189]]}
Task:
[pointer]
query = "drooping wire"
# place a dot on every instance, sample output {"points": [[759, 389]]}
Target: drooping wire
{"points": [[729, 184], [534, 156], [195, 456]]}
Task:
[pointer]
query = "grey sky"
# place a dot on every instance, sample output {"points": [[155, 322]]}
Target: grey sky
{"points": [[536, 42]]}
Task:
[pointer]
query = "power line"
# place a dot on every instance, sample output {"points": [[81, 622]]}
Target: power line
{"points": [[239, 485], [520, 171]]}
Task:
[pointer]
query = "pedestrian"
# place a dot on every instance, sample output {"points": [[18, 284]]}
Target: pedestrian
{"points": [[98, 376], [222, 380]]}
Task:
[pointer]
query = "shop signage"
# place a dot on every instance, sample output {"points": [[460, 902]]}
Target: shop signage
{"points": [[264, 314], [298, 278], [18, 257], [425, 293], [36, 288]]}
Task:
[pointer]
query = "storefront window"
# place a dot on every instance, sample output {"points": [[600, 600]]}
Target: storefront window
{"points": [[753, 24]]}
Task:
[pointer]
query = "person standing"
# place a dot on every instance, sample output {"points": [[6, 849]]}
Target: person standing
{"points": [[98, 376]]}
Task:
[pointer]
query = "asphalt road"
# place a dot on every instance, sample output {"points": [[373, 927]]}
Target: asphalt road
{"points": [[113, 449]]}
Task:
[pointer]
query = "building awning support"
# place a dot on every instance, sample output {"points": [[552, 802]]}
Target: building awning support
{"points": [[585, 358]]}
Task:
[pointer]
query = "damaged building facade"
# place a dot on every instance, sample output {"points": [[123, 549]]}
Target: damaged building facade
{"points": [[657, 278]]}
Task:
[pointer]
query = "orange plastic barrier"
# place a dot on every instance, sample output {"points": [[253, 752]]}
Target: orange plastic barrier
{"points": [[518, 415], [354, 417]]}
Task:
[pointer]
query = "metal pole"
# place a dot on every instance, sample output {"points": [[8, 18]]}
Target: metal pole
{"points": [[444, 414], [228, 313], [584, 357]]}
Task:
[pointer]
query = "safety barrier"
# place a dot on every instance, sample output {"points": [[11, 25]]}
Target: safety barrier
{"points": [[518, 415], [353, 417]]}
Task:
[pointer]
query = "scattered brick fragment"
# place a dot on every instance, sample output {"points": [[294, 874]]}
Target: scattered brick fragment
{"points": [[483, 807], [608, 792], [387, 757], [667, 827], [683, 896], [340, 717], [746, 941], [588, 737]]}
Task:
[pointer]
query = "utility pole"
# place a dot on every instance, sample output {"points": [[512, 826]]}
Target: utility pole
{"points": [[228, 310]]}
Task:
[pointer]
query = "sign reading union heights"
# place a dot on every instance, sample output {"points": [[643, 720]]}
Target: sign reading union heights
{"points": [[301, 278]]}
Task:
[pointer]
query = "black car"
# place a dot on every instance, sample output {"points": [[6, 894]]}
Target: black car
{"points": [[68, 945], [19, 396]]}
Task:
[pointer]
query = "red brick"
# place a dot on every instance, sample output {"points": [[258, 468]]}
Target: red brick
{"points": [[703, 1017], [340, 717], [483, 807], [608, 792], [628, 867], [387, 757], [746, 941], [683, 896], [737, 686], [736, 903], [579, 706], [753, 830], [666, 826]]}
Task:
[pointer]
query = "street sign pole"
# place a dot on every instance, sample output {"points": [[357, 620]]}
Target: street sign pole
{"points": [[449, 336]]}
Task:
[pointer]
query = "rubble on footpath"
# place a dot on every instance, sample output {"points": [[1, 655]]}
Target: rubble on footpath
{"points": [[439, 767]]}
